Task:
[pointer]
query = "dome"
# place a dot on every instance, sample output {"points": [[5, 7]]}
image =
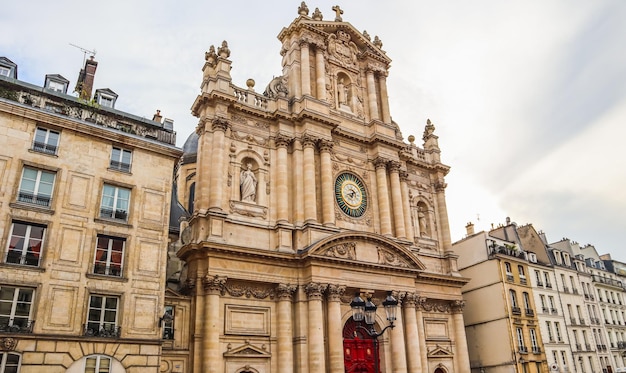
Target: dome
{"points": [[190, 148]]}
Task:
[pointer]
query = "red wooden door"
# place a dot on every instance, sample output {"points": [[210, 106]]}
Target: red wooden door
{"points": [[360, 352]]}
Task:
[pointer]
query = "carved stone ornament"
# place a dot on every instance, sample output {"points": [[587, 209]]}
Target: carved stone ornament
{"points": [[317, 15], [223, 51], [387, 257], [435, 305], [285, 291], [314, 290], [277, 87], [342, 48], [8, 344], [210, 56], [248, 209], [249, 291], [345, 250], [335, 292], [250, 139], [214, 284], [303, 10]]}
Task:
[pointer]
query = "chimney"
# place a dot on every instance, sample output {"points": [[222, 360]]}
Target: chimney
{"points": [[469, 228], [157, 117], [84, 84]]}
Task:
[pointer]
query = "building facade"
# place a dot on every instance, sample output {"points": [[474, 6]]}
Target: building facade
{"points": [[84, 200], [301, 199]]}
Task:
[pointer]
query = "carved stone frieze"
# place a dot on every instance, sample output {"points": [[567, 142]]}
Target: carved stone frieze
{"points": [[388, 257], [345, 158], [366, 219], [457, 306], [346, 250], [251, 139], [250, 291], [342, 48], [436, 305], [248, 209]]}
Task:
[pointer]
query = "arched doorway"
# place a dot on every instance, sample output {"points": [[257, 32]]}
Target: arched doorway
{"points": [[360, 351]]}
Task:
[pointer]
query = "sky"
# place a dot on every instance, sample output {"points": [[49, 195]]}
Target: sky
{"points": [[528, 97]]}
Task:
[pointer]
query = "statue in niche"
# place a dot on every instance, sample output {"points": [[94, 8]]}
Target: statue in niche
{"points": [[342, 92], [423, 224], [247, 182]]}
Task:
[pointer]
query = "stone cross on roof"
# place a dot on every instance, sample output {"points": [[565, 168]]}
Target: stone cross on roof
{"points": [[338, 13]]}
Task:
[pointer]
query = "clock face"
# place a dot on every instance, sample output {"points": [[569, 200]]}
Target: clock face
{"points": [[350, 194]]}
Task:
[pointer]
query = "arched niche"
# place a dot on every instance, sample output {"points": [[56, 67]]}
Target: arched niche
{"points": [[423, 216]]}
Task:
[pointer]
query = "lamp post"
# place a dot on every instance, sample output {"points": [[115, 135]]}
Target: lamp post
{"points": [[366, 311]]}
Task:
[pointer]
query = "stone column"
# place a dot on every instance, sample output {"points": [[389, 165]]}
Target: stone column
{"points": [[396, 199], [398, 351], [371, 95], [421, 302], [310, 192], [317, 361], [461, 353], [213, 287], [384, 98], [444, 225], [320, 70], [197, 287], [282, 189], [305, 68], [328, 211], [412, 335], [285, 330], [335, 328], [383, 196], [219, 126], [203, 183], [298, 180], [406, 205]]}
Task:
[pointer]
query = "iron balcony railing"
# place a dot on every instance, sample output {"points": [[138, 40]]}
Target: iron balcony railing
{"points": [[21, 326], [102, 330]]}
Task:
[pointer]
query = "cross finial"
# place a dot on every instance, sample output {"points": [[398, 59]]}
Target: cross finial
{"points": [[338, 13]]}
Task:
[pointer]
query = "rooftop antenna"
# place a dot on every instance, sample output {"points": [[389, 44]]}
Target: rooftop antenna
{"points": [[85, 51]]}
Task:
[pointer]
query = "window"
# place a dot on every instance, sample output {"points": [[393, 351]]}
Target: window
{"points": [[56, 86], [5, 71], [109, 256], [507, 267], [97, 364], [538, 278], [520, 340], [527, 303], [46, 141], [549, 329], [520, 270], [36, 187], [533, 340], [102, 317], [105, 101], [542, 299], [25, 244], [10, 362], [513, 298], [15, 309], [557, 329], [120, 159], [547, 277], [552, 307], [114, 202], [168, 323]]}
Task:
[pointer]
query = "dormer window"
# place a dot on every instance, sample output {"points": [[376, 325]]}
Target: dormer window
{"points": [[105, 98], [56, 83], [8, 68]]}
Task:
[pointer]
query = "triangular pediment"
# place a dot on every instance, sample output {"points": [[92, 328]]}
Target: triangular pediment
{"points": [[247, 350], [440, 352], [365, 248]]}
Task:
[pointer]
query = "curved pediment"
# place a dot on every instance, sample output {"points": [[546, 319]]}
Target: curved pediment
{"points": [[365, 248]]}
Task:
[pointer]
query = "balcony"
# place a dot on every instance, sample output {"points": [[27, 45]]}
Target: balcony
{"points": [[582, 322], [44, 148], [530, 312], [587, 347], [554, 311], [108, 213], [523, 349], [536, 350], [107, 270], [516, 310], [578, 347], [565, 289], [31, 258], [573, 320], [523, 280], [120, 166], [102, 331], [548, 285], [607, 281], [539, 283], [34, 199], [20, 326], [545, 310], [586, 296], [575, 290], [621, 345], [509, 277]]}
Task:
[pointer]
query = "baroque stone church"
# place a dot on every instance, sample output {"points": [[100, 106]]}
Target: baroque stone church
{"points": [[301, 200]]}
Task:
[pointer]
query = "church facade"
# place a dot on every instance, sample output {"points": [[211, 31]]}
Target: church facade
{"points": [[301, 199]]}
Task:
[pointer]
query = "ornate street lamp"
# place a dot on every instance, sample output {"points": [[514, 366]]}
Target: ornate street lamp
{"points": [[366, 311]]}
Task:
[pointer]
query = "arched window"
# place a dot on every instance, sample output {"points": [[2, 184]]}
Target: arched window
{"points": [[97, 364], [192, 197]]}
